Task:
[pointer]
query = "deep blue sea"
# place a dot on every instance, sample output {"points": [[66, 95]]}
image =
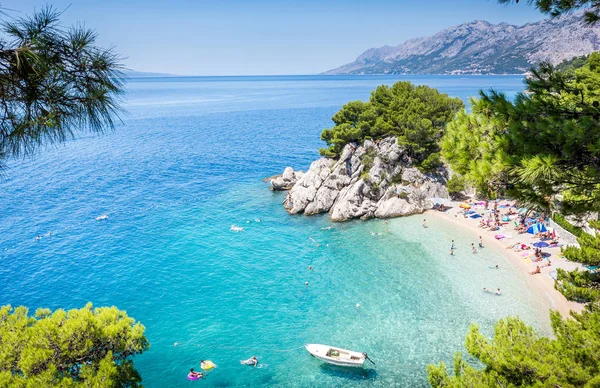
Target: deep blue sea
{"points": [[185, 164]]}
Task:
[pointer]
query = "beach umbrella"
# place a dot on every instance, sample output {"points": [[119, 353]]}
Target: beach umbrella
{"points": [[541, 244]]}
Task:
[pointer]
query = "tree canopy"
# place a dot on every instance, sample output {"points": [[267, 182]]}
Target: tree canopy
{"points": [[556, 8], [54, 81], [544, 145], [81, 347], [517, 357], [416, 115]]}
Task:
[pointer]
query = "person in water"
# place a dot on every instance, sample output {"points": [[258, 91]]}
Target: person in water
{"points": [[254, 360], [424, 223], [480, 242], [193, 373]]}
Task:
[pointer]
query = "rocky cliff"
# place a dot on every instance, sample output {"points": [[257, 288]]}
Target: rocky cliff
{"points": [[370, 180], [482, 48]]}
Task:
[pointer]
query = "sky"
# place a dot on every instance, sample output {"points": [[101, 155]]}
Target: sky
{"points": [[262, 37]]}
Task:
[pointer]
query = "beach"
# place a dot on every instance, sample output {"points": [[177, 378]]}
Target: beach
{"points": [[542, 281]]}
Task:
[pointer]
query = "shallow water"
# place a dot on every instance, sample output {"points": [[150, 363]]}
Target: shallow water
{"points": [[185, 165]]}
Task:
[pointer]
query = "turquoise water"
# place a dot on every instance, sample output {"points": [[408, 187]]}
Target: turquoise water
{"points": [[186, 163]]}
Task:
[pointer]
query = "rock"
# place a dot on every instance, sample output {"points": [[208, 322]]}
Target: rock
{"points": [[305, 189], [374, 179], [286, 180]]}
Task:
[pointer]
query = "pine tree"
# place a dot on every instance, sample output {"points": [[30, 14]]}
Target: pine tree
{"points": [[416, 115], [77, 348], [54, 82]]}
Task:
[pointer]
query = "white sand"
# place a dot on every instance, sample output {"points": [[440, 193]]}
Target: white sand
{"points": [[541, 281]]}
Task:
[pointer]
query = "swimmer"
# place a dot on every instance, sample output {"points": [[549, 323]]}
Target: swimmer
{"points": [[251, 361], [257, 220], [310, 267], [357, 305], [424, 223], [497, 292], [306, 284], [311, 239], [386, 221], [451, 251], [248, 221], [193, 373], [38, 237], [176, 343], [473, 249], [255, 360], [372, 233], [452, 246]]}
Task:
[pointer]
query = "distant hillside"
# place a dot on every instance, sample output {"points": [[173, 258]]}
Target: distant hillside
{"points": [[133, 73], [481, 48]]}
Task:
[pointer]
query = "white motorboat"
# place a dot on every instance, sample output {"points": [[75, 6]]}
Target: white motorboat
{"points": [[337, 356]]}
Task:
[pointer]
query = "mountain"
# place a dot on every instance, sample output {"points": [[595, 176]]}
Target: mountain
{"points": [[482, 48]]}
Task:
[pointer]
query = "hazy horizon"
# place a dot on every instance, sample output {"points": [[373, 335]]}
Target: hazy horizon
{"points": [[235, 38]]}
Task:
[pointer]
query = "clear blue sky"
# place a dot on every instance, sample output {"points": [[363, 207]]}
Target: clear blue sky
{"points": [[198, 37]]}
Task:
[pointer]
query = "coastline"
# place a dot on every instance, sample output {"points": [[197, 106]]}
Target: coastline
{"points": [[543, 281]]}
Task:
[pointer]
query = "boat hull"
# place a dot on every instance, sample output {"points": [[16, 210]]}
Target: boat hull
{"points": [[345, 358]]}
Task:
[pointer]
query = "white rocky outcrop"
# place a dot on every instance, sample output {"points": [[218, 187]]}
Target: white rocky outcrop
{"points": [[374, 179], [286, 180]]}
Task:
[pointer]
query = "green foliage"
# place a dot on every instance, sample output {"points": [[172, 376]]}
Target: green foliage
{"points": [[367, 160], [53, 81], [572, 64], [456, 185], [431, 163], [562, 221], [82, 347], [517, 357], [577, 285], [476, 147], [580, 286], [544, 143], [556, 8], [416, 115], [396, 178]]}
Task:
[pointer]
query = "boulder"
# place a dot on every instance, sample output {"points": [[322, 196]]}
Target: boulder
{"points": [[305, 189], [285, 181], [374, 179]]}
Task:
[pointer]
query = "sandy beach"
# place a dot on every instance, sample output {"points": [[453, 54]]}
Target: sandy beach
{"points": [[521, 259]]}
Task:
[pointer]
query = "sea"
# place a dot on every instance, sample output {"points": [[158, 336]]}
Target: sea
{"points": [[184, 164]]}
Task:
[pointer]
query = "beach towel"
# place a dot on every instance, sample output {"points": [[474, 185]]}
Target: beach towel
{"points": [[475, 216]]}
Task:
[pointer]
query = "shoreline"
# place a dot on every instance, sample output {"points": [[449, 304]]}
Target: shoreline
{"points": [[542, 282]]}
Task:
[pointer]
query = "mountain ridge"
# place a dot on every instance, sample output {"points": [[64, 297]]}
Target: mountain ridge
{"points": [[480, 47]]}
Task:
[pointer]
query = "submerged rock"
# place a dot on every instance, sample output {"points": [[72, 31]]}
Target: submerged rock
{"points": [[375, 179]]}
